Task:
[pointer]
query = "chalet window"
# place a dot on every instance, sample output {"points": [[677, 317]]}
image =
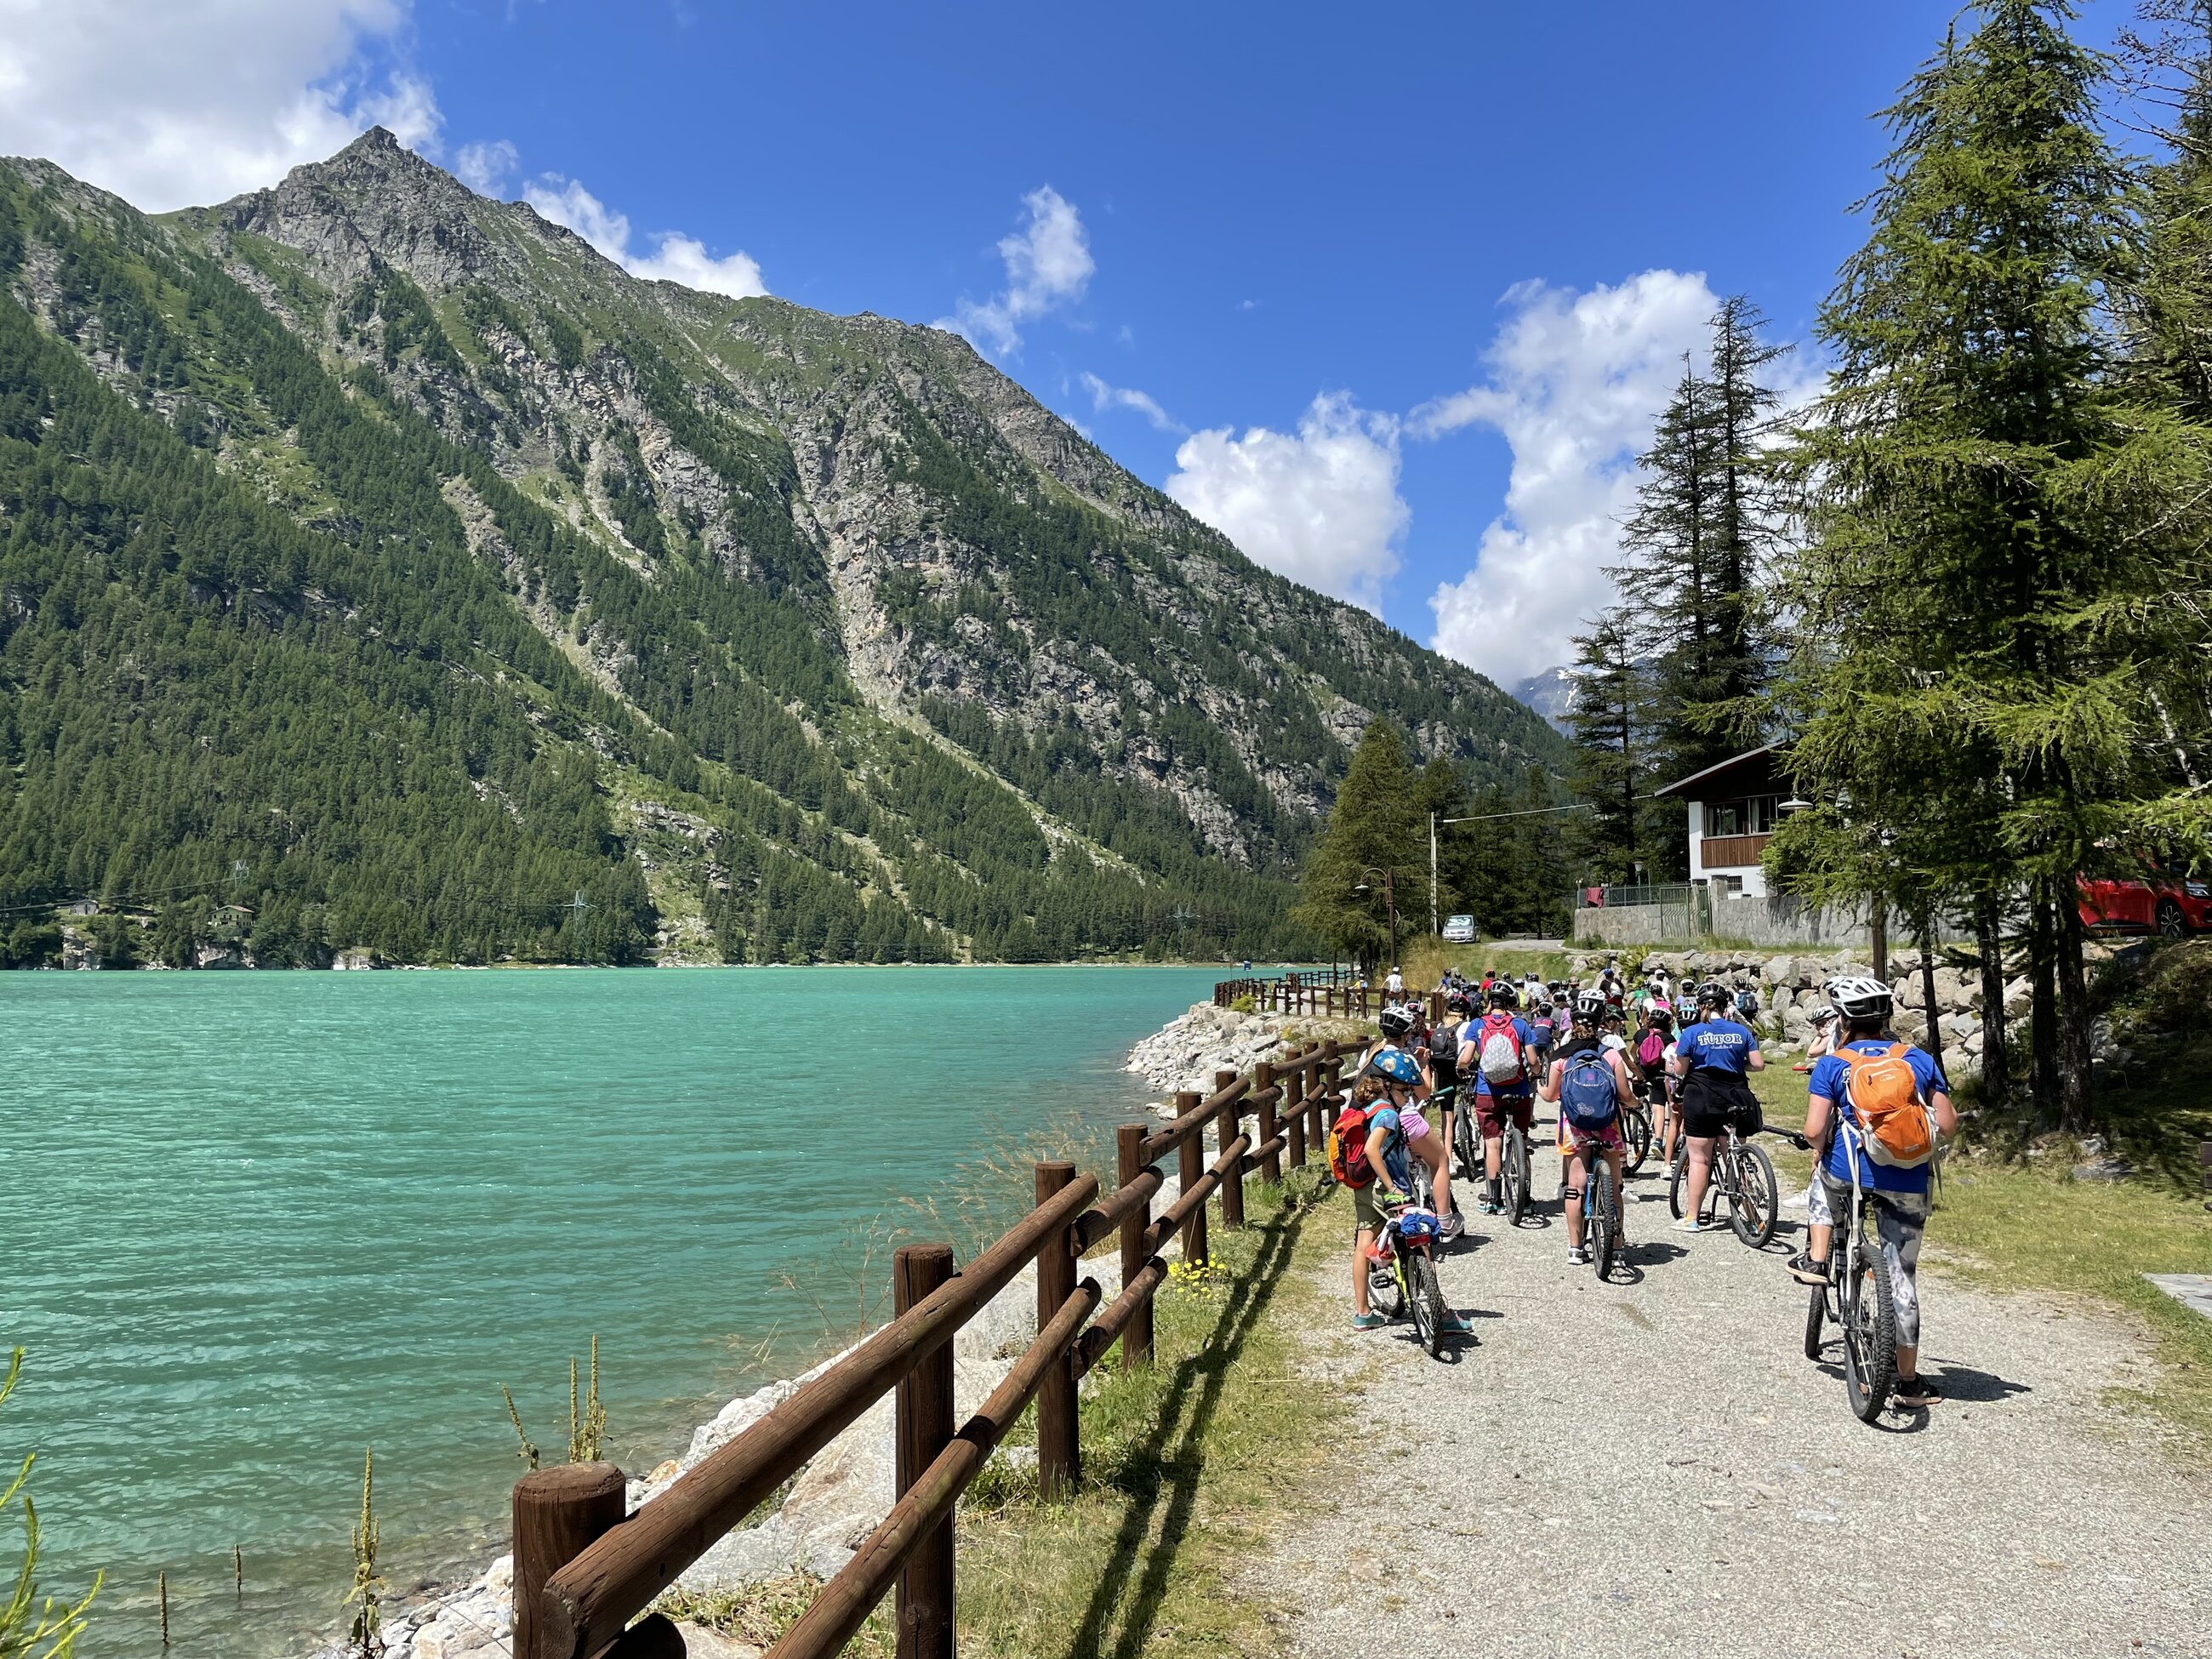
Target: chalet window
{"points": [[1751, 816]]}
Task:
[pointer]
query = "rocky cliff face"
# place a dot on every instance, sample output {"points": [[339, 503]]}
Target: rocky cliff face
{"points": [[865, 522]]}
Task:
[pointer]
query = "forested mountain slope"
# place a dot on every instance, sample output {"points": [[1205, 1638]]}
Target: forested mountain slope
{"points": [[383, 561]]}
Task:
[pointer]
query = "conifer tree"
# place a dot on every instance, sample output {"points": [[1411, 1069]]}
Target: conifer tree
{"points": [[1983, 498], [1611, 766], [1369, 853]]}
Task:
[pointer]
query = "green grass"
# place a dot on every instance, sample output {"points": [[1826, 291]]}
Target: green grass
{"points": [[1189, 1468], [1425, 959]]}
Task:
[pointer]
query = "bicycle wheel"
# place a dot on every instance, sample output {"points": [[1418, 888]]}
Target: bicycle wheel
{"points": [[1384, 1294], [1428, 1295], [1513, 1171], [1635, 1130], [1755, 1202], [1869, 1335], [1604, 1218], [1677, 1172], [1815, 1312], [1466, 1143]]}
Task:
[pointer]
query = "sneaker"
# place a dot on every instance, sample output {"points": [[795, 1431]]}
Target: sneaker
{"points": [[1690, 1224], [1806, 1271], [1455, 1224], [1577, 1256], [1917, 1395], [1367, 1321], [1456, 1326], [1489, 1206]]}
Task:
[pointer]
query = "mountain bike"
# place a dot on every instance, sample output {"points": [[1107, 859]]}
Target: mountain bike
{"points": [[1601, 1215], [1635, 1134], [1859, 1300], [1402, 1276], [1743, 1175], [1513, 1172]]}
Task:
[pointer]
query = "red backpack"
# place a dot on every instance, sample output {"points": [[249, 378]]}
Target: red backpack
{"points": [[1348, 1148]]}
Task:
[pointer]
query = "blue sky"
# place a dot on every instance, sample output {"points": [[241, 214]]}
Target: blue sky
{"points": [[1388, 293]]}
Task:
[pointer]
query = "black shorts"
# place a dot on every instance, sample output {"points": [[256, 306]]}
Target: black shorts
{"points": [[1710, 1099]]}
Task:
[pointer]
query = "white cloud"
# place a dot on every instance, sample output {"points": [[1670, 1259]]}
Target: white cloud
{"points": [[485, 168], [192, 102], [1049, 265], [675, 257], [1575, 382], [1320, 506], [1104, 397]]}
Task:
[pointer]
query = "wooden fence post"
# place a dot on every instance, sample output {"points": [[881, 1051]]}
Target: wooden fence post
{"points": [[1294, 1112], [1060, 1459], [1190, 1164], [925, 1589], [1224, 1130], [1137, 1334], [558, 1513], [1263, 1084]]}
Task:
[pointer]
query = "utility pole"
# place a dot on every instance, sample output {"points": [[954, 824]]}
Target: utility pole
{"points": [[1436, 923]]}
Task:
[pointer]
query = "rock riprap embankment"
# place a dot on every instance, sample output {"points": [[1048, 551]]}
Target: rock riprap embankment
{"points": [[1188, 1050]]}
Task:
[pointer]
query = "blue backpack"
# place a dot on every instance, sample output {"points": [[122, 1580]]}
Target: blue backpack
{"points": [[1587, 1098]]}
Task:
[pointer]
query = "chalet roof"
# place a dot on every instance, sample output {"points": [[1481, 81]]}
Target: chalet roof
{"points": [[1713, 777]]}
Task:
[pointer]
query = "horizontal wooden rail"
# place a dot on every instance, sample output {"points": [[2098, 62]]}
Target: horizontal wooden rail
{"points": [[589, 1570], [845, 1600], [588, 1602], [1131, 1196], [1105, 1330]]}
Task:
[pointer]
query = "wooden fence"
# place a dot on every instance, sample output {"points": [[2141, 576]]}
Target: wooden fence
{"points": [[1315, 996], [584, 1569]]}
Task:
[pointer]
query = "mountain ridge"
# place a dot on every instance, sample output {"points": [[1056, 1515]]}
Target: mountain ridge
{"points": [[841, 561]]}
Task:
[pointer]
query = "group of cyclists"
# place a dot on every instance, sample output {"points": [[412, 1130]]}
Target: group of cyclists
{"points": [[1595, 1052]]}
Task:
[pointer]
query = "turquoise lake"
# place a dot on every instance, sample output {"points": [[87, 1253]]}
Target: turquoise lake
{"points": [[253, 1224]]}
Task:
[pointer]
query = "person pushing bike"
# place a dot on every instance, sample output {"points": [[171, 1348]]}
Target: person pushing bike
{"points": [[1714, 1059], [1877, 1111], [1587, 1066]]}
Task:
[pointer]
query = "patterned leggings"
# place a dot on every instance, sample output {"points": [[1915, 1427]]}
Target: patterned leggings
{"points": [[1898, 1219]]}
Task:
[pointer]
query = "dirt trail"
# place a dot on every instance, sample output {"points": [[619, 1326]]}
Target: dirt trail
{"points": [[1651, 1466]]}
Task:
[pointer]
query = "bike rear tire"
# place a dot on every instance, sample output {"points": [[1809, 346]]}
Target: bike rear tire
{"points": [[1754, 1198], [1815, 1312], [1869, 1335], [1428, 1304], [1635, 1131], [1384, 1294], [1513, 1170], [1604, 1218], [1678, 1171]]}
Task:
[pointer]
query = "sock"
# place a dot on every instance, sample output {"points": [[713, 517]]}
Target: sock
{"points": [[1490, 1189]]}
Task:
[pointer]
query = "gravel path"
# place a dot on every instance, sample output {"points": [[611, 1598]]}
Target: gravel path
{"points": [[1653, 1468]]}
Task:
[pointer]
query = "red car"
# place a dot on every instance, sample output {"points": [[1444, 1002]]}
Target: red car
{"points": [[2170, 902]]}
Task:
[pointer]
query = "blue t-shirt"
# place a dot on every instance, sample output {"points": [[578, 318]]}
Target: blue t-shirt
{"points": [[1524, 1033], [1395, 1166], [1827, 1082], [1721, 1044]]}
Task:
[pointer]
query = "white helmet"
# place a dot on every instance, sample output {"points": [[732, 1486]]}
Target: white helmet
{"points": [[1859, 996]]}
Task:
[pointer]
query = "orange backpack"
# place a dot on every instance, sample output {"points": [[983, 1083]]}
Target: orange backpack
{"points": [[1347, 1149], [1895, 1125]]}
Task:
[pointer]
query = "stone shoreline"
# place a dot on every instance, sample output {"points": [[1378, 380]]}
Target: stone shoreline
{"points": [[847, 1489]]}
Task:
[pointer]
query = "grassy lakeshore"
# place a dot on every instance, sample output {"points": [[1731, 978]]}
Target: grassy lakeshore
{"points": [[1188, 1467]]}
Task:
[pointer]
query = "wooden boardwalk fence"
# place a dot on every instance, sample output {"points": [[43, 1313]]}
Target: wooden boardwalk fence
{"points": [[1315, 995], [584, 1569]]}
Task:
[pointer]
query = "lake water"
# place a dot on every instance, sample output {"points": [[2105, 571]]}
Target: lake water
{"points": [[252, 1223]]}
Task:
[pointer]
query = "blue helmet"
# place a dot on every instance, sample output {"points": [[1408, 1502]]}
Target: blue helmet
{"points": [[1398, 1066]]}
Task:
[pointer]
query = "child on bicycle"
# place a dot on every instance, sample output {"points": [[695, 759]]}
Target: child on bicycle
{"points": [[1896, 1197], [1389, 1091], [1576, 1146]]}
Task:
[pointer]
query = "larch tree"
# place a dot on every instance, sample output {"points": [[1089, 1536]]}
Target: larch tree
{"points": [[1983, 496]]}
